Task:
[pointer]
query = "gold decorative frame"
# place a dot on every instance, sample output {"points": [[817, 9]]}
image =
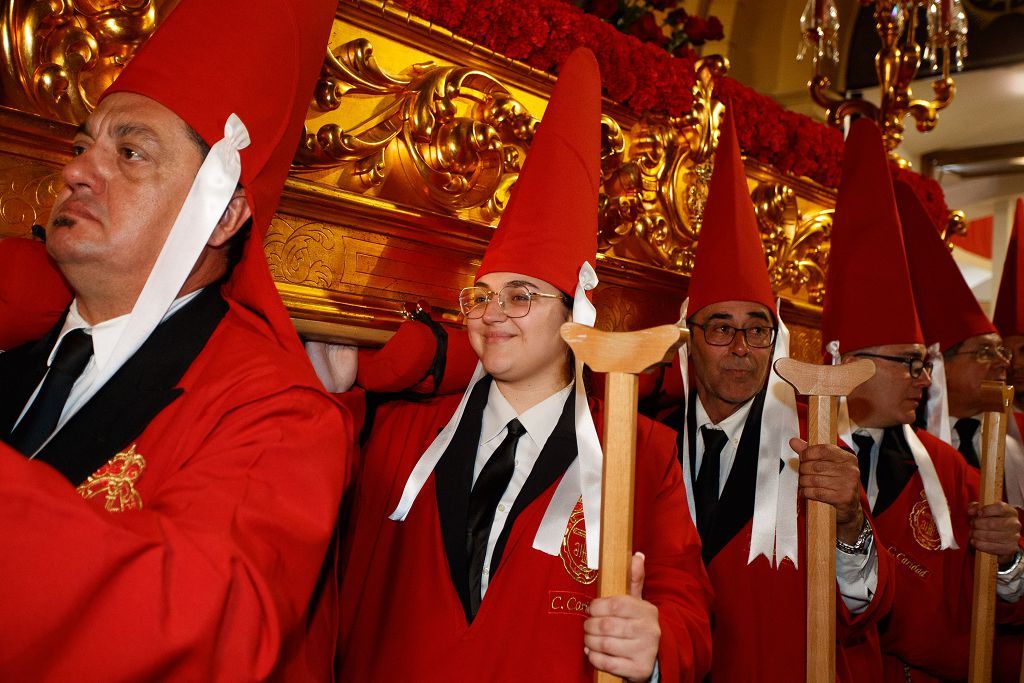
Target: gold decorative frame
{"points": [[413, 141]]}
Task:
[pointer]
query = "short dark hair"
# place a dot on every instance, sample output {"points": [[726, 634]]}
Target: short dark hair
{"points": [[197, 139]]}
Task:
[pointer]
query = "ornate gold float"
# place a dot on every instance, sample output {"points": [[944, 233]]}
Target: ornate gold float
{"points": [[413, 141]]}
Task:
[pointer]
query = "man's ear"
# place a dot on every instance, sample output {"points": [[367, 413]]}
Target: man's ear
{"points": [[234, 217]]}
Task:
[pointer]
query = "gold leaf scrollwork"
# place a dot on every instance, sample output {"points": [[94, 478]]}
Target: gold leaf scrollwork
{"points": [[653, 203], [797, 247], [454, 134], [302, 255], [27, 191], [59, 56]]}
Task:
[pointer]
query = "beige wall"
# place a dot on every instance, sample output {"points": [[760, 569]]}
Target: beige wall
{"points": [[762, 39]]}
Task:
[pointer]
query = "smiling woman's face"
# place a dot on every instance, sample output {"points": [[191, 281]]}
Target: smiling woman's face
{"points": [[527, 350]]}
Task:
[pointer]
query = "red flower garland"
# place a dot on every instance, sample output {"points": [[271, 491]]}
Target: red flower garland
{"points": [[644, 78], [928, 191]]}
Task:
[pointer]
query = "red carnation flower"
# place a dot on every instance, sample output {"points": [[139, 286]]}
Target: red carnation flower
{"points": [[603, 8], [646, 28], [695, 29], [713, 29], [676, 17]]}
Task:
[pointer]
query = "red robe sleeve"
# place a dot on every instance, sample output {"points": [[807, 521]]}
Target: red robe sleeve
{"points": [[33, 293], [210, 580]]}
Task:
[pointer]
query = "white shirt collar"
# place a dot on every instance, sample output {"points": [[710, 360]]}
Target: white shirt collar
{"points": [[539, 420], [874, 432], [732, 425], [106, 334]]}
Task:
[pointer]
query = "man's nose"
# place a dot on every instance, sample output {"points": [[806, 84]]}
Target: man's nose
{"points": [[85, 170], [738, 345]]}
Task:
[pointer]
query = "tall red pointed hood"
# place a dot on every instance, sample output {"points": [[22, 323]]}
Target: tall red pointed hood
{"points": [[1009, 316], [258, 59], [549, 228], [868, 296], [948, 310], [729, 264]]}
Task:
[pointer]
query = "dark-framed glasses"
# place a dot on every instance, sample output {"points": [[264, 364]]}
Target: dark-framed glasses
{"points": [[720, 334], [513, 300], [987, 354], [916, 366]]}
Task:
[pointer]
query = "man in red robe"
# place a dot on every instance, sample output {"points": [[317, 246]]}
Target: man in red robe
{"points": [[734, 430], [922, 493], [962, 338], [472, 548], [172, 469]]}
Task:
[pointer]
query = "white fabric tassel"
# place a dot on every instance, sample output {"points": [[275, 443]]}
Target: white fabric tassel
{"points": [[583, 479], [933, 492], [774, 528], [938, 397]]}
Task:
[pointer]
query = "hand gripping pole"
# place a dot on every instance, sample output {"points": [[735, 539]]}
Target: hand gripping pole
{"points": [[622, 355], [823, 385], [997, 399]]}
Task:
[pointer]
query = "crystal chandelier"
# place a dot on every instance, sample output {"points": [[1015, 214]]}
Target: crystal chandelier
{"points": [[943, 49]]}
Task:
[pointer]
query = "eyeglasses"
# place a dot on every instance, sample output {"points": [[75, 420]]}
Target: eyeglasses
{"points": [[987, 354], [513, 300], [717, 334], [916, 366]]}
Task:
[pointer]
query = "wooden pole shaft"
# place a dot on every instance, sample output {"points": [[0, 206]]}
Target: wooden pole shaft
{"points": [[821, 555], [620, 400], [993, 444]]}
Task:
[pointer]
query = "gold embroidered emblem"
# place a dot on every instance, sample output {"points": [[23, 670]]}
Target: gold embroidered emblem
{"points": [[116, 481], [923, 525], [574, 547]]}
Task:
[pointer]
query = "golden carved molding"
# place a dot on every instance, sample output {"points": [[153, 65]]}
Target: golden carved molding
{"points": [[656, 190], [60, 55], [27, 191], [414, 139], [446, 137]]}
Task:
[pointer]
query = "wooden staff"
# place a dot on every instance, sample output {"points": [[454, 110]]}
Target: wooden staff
{"points": [[623, 355], [823, 385], [996, 400]]}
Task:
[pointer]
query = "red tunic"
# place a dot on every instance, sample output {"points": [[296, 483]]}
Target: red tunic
{"points": [[928, 628], [402, 619], [196, 554], [760, 611], [33, 293]]}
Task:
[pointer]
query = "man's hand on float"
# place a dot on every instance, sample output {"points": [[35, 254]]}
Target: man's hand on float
{"points": [[995, 529], [830, 474], [335, 365], [622, 634]]}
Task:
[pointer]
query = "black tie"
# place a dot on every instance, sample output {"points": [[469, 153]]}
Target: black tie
{"points": [[41, 418], [483, 500], [864, 443], [705, 490], [967, 427]]}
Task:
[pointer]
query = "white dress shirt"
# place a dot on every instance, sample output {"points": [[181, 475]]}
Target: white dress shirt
{"points": [[1009, 588], [539, 421], [857, 575], [104, 338]]}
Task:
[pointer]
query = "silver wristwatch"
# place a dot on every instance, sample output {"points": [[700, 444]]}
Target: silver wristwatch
{"points": [[861, 545]]}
